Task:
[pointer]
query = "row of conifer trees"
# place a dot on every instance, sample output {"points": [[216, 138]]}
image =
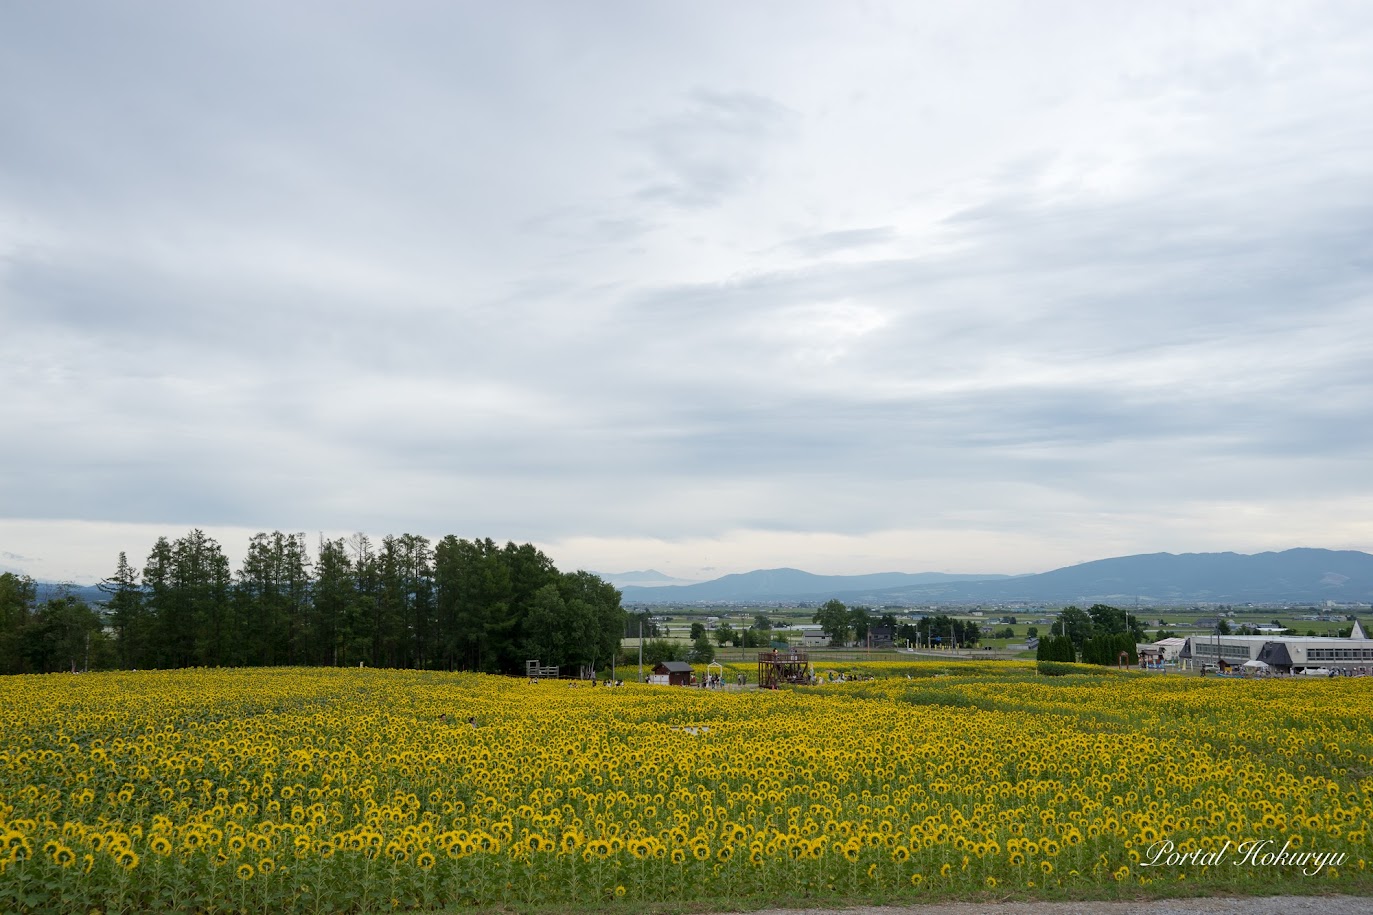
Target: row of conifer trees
{"points": [[402, 602]]}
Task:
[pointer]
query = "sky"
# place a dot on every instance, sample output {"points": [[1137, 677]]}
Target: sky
{"points": [[699, 287]]}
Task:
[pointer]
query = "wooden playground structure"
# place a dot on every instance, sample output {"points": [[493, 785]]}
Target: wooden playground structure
{"points": [[777, 667], [536, 671]]}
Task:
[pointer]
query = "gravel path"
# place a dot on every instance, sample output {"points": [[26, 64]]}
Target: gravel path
{"points": [[1252, 905]]}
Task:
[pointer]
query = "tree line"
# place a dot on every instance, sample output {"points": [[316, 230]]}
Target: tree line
{"points": [[47, 637], [404, 602], [1098, 635]]}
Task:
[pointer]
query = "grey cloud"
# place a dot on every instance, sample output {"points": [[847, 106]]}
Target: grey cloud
{"points": [[586, 226], [394, 284], [714, 148], [826, 243]]}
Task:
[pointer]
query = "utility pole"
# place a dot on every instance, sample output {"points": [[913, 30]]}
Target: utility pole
{"points": [[641, 648]]}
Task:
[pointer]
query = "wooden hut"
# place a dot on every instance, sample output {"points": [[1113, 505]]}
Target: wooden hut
{"points": [[671, 673]]}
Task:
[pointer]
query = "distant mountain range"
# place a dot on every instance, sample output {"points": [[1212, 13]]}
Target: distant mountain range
{"points": [[46, 591], [648, 578], [1294, 576], [772, 585]]}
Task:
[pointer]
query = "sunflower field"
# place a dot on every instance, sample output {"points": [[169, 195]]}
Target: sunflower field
{"points": [[326, 790]]}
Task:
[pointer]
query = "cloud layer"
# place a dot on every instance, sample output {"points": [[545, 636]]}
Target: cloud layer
{"points": [[691, 288]]}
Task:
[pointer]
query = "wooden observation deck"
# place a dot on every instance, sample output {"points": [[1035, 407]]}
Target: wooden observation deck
{"points": [[778, 667]]}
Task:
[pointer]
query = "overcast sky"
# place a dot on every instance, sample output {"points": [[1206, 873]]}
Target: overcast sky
{"points": [[703, 287]]}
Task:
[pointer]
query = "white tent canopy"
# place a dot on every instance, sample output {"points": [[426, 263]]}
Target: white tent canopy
{"points": [[1255, 664]]}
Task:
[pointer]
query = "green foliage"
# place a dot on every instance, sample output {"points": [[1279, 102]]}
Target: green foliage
{"points": [[595, 618], [495, 610], [1074, 623], [270, 600], [656, 650], [698, 631], [1062, 668], [548, 627], [1056, 648], [188, 588], [702, 652], [725, 634], [128, 616], [333, 607], [457, 605], [1108, 619], [860, 619], [836, 621], [940, 629], [17, 595], [62, 635], [1106, 649], [640, 623]]}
